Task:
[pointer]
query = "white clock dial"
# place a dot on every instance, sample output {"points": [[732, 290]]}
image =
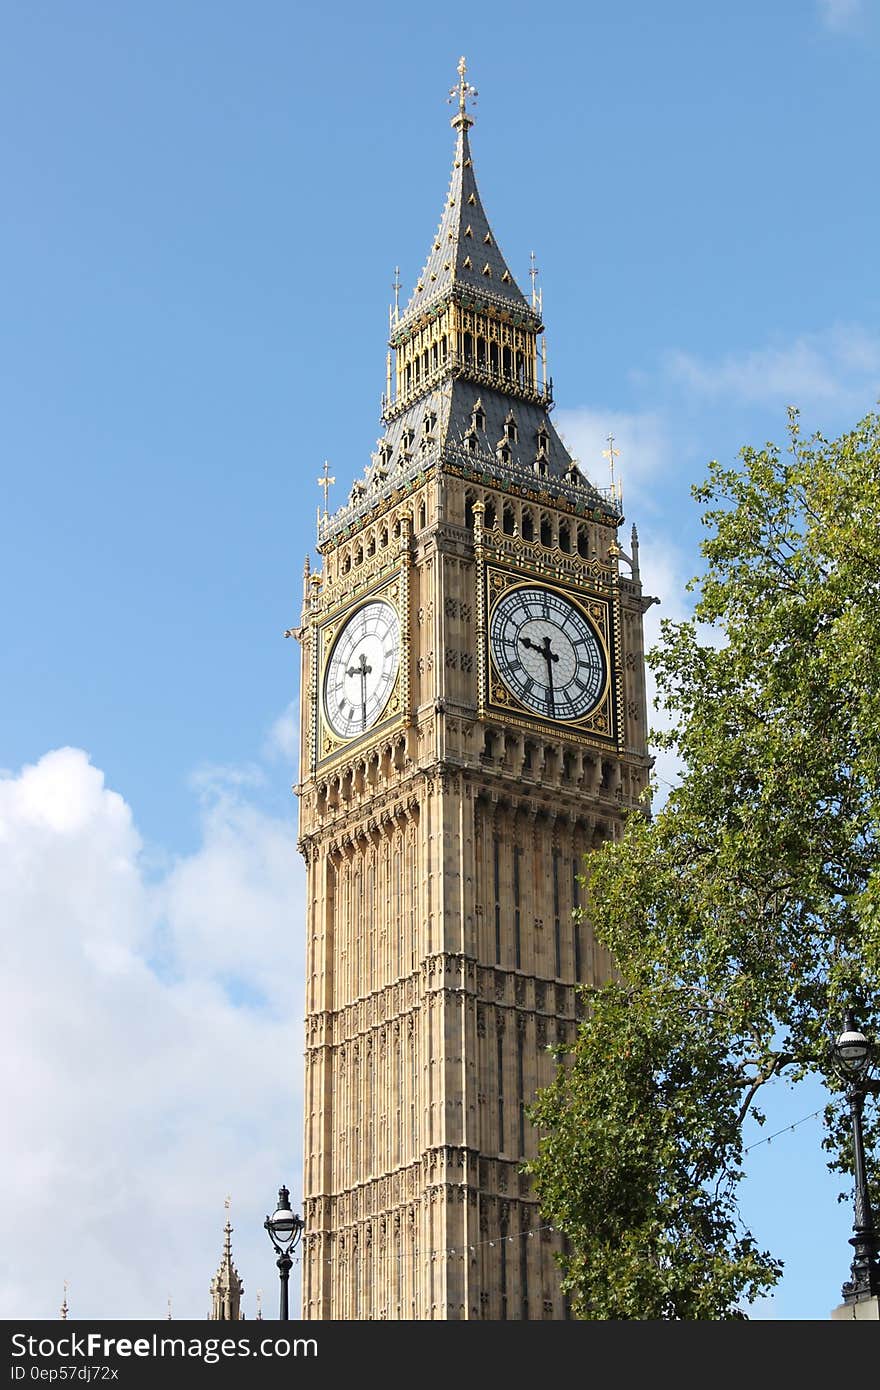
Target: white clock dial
{"points": [[362, 669], [547, 653]]}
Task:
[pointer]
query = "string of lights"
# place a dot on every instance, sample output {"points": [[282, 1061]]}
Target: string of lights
{"points": [[471, 1248], [460, 1252], [785, 1130]]}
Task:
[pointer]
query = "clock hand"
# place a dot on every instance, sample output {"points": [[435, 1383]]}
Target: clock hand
{"points": [[362, 670], [549, 657]]}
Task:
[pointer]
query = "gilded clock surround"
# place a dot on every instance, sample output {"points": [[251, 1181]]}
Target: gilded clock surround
{"points": [[599, 721], [444, 846], [328, 743]]}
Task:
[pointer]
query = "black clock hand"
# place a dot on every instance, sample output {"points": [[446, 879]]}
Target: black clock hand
{"points": [[362, 670], [549, 657]]}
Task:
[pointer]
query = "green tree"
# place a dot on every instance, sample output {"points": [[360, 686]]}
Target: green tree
{"points": [[744, 916]]}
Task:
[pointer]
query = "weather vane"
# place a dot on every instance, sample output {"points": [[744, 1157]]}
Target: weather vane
{"points": [[464, 92], [533, 276], [325, 482], [611, 454]]}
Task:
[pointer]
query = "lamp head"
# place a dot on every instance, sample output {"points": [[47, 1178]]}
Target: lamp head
{"points": [[852, 1049], [284, 1225]]}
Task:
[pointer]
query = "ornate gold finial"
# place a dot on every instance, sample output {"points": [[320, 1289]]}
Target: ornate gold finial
{"points": [[465, 93], [611, 454], [325, 482]]}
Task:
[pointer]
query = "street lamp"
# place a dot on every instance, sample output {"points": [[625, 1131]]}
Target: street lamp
{"points": [[285, 1229], [853, 1054]]}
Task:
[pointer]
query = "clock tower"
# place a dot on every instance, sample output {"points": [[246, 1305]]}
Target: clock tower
{"points": [[473, 723]]}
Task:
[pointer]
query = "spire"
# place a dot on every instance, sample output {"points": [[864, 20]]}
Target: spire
{"points": [[464, 254], [226, 1286], [467, 385], [64, 1308]]}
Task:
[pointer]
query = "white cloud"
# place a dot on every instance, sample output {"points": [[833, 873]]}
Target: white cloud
{"points": [[839, 14], [665, 571], [283, 738], [144, 1076], [640, 441], [839, 368], [222, 905]]}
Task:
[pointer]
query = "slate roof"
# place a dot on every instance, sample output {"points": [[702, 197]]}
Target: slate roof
{"points": [[464, 420], [464, 252], [440, 426]]}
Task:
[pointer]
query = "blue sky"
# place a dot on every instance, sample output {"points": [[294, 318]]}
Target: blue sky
{"points": [[203, 208]]}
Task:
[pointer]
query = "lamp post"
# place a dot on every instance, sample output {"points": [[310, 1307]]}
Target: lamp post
{"points": [[285, 1228], [853, 1054]]}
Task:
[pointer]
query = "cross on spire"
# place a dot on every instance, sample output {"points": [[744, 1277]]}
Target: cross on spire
{"points": [[325, 482], [465, 93], [611, 454]]}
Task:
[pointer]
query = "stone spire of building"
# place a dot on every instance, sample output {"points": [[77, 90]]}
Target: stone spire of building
{"points": [[464, 255], [466, 378], [226, 1286]]}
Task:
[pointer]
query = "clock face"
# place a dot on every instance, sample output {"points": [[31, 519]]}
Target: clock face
{"points": [[546, 652], [362, 669]]}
